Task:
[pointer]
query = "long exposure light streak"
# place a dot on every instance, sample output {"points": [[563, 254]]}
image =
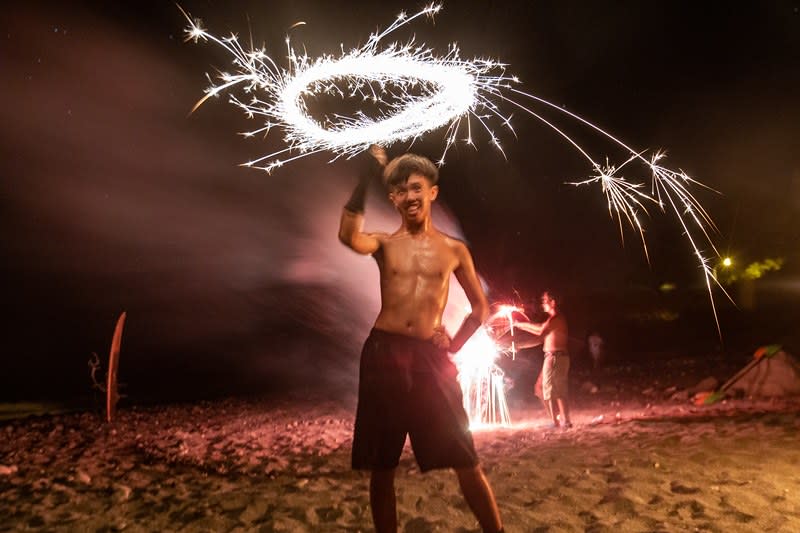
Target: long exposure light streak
{"points": [[421, 92]]}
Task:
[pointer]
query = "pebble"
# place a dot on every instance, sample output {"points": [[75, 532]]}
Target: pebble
{"points": [[8, 470]]}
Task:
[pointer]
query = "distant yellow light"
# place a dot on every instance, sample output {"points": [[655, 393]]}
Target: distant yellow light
{"points": [[727, 262]]}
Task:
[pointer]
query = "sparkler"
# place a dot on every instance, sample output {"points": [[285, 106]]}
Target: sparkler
{"points": [[506, 311], [482, 382], [448, 87]]}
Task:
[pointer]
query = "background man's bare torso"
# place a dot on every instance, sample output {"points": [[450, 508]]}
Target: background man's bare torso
{"points": [[555, 334]]}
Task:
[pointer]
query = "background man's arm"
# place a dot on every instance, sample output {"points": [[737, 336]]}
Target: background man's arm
{"points": [[466, 276], [530, 327], [521, 340], [351, 225]]}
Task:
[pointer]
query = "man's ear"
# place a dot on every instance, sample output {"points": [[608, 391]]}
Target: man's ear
{"points": [[434, 192]]}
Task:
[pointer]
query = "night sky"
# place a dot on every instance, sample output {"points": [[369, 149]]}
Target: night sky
{"points": [[114, 198]]}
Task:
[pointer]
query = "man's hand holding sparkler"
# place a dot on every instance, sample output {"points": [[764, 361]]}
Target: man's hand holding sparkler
{"points": [[379, 153], [508, 339]]}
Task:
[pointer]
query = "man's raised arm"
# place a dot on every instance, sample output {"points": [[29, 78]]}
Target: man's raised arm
{"points": [[351, 225]]}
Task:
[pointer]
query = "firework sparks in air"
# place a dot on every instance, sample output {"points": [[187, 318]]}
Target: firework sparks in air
{"points": [[506, 312], [482, 382], [421, 91]]}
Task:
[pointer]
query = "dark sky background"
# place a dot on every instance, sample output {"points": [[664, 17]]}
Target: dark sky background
{"points": [[113, 198]]}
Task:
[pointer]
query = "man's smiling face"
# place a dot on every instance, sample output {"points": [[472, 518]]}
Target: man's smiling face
{"points": [[413, 198]]}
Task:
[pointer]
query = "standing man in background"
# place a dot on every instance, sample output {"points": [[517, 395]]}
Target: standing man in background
{"points": [[552, 386]]}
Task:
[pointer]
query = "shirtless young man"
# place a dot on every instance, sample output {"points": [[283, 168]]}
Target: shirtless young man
{"points": [[552, 386], [407, 383]]}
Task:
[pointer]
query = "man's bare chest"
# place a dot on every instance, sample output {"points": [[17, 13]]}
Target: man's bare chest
{"points": [[420, 259]]}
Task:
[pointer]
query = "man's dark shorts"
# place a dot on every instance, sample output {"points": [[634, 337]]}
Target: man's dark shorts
{"points": [[409, 386]]}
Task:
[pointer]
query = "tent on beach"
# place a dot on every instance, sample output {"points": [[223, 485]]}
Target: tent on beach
{"points": [[773, 373], [775, 376]]}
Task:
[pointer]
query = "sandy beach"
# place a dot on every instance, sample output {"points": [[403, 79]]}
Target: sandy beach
{"points": [[636, 461]]}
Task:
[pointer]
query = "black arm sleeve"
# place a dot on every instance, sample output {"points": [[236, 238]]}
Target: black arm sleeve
{"points": [[369, 169]]}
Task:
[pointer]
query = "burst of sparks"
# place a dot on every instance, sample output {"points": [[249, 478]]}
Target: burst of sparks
{"points": [[506, 311], [482, 382], [425, 92]]}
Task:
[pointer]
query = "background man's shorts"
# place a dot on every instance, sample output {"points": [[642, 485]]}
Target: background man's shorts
{"points": [[408, 386], [555, 371]]}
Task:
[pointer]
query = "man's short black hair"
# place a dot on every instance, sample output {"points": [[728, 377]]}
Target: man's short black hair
{"points": [[400, 169], [554, 295]]}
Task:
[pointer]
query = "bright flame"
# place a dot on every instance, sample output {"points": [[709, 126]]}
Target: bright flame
{"points": [[424, 92], [506, 311], [482, 382]]}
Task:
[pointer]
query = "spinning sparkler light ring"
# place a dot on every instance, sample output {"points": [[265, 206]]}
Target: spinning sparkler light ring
{"points": [[423, 92], [453, 96]]}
